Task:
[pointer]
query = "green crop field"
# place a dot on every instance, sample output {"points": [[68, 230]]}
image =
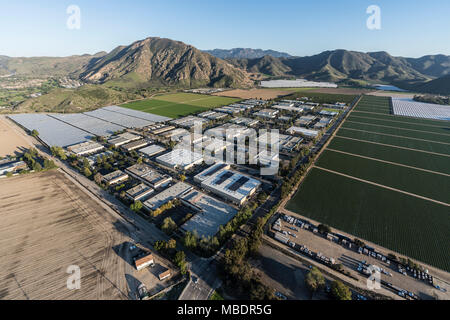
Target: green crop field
{"points": [[412, 158], [179, 104], [406, 142], [403, 223], [398, 177], [386, 151]]}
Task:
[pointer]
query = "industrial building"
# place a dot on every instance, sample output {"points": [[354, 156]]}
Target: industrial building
{"points": [[305, 132], [267, 113], [122, 139], [134, 145], [229, 110], [210, 213], [152, 150], [93, 158], [228, 184], [230, 131], [305, 120], [212, 170], [180, 158], [328, 113], [115, 177], [139, 192], [148, 175], [288, 107], [85, 148], [159, 128], [12, 167], [245, 121], [167, 195], [188, 122], [255, 102], [286, 143], [212, 115]]}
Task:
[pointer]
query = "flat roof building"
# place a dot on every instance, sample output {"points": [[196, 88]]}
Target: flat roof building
{"points": [[123, 138], [85, 148], [245, 121], [188, 122], [180, 158], [134, 145], [148, 175], [305, 120], [92, 159], [167, 195], [230, 185], [115, 177], [139, 192], [288, 107], [305, 132], [152, 150], [267, 113], [210, 213]]}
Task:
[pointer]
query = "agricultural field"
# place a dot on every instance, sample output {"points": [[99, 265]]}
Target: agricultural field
{"points": [[48, 224], [385, 179], [11, 142], [179, 104]]}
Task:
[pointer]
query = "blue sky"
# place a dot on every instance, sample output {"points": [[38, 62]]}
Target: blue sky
{"points": [[408, 28]]}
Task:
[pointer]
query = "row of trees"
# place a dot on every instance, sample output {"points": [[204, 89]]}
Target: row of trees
{"points": [[168, 249], [315, 281]]}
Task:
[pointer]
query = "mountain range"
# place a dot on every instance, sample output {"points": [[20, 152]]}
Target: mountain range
{"points": [[246, 53], [157, 62]]}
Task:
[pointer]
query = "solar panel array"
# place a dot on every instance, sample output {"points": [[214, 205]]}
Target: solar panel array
{"points": [[411, 108], [137, 114], [224, 177], [239, 183], [93, 125], [52, 131], [118, 118]]}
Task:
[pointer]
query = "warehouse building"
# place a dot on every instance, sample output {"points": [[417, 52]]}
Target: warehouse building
{"points": [[229, 185], [328, 113], [267, 113], [134, 145], [93, 158], [188, 122], [248, 122], [152, 150], [210, 213], [115, 177], [305, 120], [288, 107], [228, 110], [85, 148], [181, 159], [148, 175], [122, 139], [212, 115], [212, 170], [158, 129], [139, 192], [230, 131], [255, 102], [304, 132], [167, 195]]}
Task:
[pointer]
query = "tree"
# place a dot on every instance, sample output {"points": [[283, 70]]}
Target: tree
{"points": [[98, 178], [9, 174], [323, 228], [34, 133], [190, 240], [168, 226], [340, 291], [136, 206], [37, 167], [87, 172], [314, 280], [182, 177], [180, 261]]}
